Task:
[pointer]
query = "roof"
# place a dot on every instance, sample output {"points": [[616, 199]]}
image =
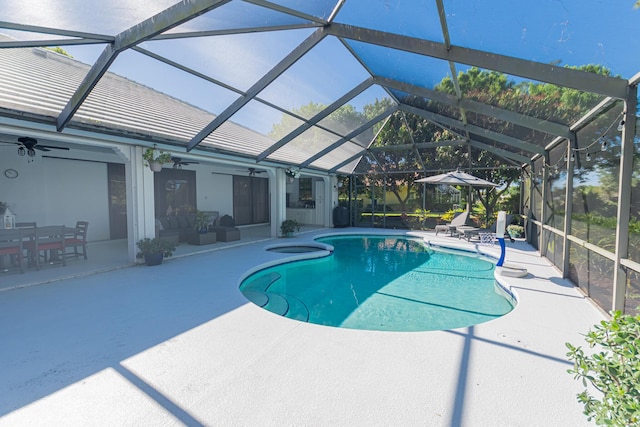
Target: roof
{"points": [[294, 82]]}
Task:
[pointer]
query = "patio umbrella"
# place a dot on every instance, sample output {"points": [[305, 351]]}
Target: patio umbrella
{"points": [[459, 178]]}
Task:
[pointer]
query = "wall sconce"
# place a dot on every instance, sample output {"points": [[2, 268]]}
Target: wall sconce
{"points": [[604, 145], [621, 126], [588, 158]]}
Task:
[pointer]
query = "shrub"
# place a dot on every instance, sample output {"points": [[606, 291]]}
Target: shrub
{"points": [[155, 246], [515, 230], [614, 371], [449, 215], [289, 226]]}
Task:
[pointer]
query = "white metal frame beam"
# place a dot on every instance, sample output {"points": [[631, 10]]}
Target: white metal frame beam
{"points": [[159, 23], [267, 79], [624, 199], [315, 119], [529, 122], [567, 77]]}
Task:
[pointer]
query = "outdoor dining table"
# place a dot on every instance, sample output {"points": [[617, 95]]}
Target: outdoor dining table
{"points": [[11, 248], [34, 242]]}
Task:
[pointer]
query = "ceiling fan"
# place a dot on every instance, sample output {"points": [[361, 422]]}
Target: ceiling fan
{"points": [[178, 162], [253, 171], [27, 145]]}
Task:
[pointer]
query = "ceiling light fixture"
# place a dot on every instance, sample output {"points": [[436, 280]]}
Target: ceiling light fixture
{"points": [[21, 151]]}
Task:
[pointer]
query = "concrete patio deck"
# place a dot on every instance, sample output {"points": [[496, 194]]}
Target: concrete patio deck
{"points": [[178, 344]]}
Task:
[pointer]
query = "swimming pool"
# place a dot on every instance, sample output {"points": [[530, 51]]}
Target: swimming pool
{"points": [[388, 283]]}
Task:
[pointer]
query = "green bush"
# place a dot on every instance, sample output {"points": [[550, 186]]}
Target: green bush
{"points": [[156, 245], [614, 371], [515, 230], [449, 215]]}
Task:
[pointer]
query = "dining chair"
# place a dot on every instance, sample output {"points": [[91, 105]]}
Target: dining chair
{"points": [[48, 240], [11, 245], [76, 238]]}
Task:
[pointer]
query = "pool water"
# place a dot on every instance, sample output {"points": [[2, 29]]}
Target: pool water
{"points": [[382, 283]]}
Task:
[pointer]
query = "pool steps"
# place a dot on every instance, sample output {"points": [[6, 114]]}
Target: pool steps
{"points": [[257, 292]]}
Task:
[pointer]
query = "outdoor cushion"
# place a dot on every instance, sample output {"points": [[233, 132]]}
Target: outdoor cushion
{"points": [[226, 221]]}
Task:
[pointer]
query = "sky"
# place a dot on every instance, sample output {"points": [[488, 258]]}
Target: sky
{"points": [[561, 32]]}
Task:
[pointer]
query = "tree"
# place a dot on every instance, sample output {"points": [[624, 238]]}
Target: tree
{"points": [[395, 161], [314, 140], [61, 51]]}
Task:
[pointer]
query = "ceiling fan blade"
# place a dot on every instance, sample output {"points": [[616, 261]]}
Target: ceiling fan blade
{"points": [[40, 147]]}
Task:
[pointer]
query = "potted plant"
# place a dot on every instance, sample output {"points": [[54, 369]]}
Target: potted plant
{"points": [[289, 226], [154, 250], [292, 173], [155, 159], [202, 221]]}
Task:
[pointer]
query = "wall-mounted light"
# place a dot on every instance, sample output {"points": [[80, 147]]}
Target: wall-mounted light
{"points": [[621, 126], [604, 146], [588, 158]]}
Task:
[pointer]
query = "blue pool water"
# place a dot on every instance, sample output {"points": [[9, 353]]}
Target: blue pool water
{"points": [[382, 283]]}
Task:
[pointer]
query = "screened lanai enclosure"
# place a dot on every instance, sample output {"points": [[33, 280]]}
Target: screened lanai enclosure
{"points": [[373, 95]]}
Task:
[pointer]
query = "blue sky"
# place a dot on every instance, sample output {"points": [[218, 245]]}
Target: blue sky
{"points": [[566, 32]]}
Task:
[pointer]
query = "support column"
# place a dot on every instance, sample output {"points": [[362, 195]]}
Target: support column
{"points": [[532, 189], [624, 198], [568, 202], [278, 190], [544, 208], [331, 199], [140, 200]]}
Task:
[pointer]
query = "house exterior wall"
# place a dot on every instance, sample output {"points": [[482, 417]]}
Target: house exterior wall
{"points": [[52, 191]]}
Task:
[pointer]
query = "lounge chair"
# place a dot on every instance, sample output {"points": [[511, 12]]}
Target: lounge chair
{"points": [[458, 221], [470, 232]]}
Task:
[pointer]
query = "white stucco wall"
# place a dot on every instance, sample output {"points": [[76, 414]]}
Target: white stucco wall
{"points": [[53, 191], [77, 191]]}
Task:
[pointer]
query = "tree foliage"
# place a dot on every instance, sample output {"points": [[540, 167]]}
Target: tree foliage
{"points": [[61, 51], [395, 161]]}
